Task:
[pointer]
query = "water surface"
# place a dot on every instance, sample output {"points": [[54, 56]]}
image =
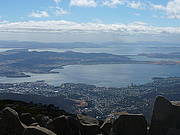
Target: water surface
{"points": [[109, 75]]}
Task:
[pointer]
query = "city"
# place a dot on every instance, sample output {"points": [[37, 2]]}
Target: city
{"points": [[100, 102]]}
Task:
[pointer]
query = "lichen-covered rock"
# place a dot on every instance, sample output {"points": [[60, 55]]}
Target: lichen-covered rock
{"points": [[129, 124], [165, 116], [36, 130], [10, 123]]}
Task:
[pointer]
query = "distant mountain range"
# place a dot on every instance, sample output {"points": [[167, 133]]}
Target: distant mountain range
{"points": [[71, 45], [28, 45]]}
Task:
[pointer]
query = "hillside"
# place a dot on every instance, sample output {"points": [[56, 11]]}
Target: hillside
{"points": [[15, 62], [58, 101]]}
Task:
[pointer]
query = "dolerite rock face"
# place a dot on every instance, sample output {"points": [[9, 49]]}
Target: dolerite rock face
{"points": [[75, 125], [36, 130], [129, 124], [89, 125], [27, 119], [84, 119], [173, 131], [166, 116], [64, 125], [106, 126], [165, 121], [42, 120], [10, 123]]}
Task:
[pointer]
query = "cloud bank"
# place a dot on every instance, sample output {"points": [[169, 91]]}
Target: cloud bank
{"points": [[72, 31]]}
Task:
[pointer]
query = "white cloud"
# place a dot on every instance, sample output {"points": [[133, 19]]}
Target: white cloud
{"points": [[83, 3], [57, 1], [50, 31], [39, 14], [172, 9], [113, 3], [135, 4], [158, 7], [60, 11], [127, 3], [59, 26]]}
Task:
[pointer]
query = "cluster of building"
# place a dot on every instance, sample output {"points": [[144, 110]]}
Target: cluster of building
{"points": [[102, 101]]}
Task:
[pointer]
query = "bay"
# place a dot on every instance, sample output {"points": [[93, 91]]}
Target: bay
{"points": [[108, 75]]}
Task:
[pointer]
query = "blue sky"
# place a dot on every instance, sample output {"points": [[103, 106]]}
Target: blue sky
{"points": [[84, 20]]}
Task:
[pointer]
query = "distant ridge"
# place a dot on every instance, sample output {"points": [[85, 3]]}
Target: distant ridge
{"points": [[58, 101], [71, 45], [30, 45]]}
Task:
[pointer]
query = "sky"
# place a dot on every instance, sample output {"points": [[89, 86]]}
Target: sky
{"points": [[90, 20]]}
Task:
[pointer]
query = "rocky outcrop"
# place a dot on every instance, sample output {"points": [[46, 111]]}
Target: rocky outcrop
{"points": [[165, 121], [106, 126], [64, 125], [36, 130], [10, 123], [27, 119], [129, 124], [89, 125], [165, 118], [42, 120], [85, 120], [173, 131]]}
